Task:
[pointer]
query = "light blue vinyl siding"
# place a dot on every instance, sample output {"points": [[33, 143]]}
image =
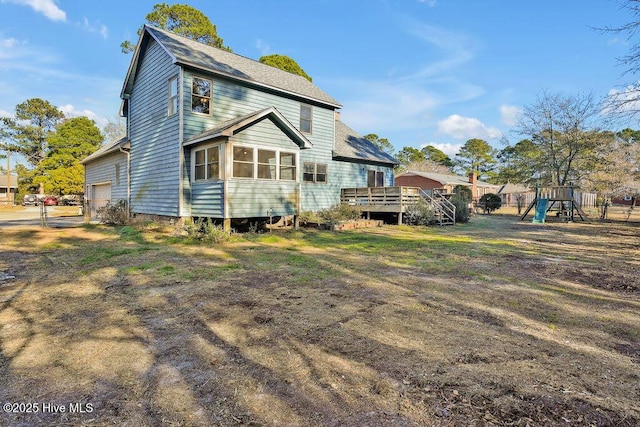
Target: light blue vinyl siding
{"points": [[249, 197], [103, 170], [253, 198], [207, 199], [154, 136], [231, 100]]}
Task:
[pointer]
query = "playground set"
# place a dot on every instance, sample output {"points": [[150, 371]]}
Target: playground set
{"points": [[560, 199]]}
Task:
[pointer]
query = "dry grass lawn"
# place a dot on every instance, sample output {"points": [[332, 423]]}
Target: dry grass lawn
{"points": [[494, 323]]}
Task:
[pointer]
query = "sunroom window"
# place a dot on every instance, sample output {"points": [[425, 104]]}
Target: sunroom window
{"points": [[267, 164], [242, 162], [207, 163], [288, 166]]}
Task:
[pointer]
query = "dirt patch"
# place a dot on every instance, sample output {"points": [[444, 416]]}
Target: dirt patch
{"points": [[493, 323]]}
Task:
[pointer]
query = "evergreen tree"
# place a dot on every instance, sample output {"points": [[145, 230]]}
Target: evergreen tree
{"points": [[183, 20]]}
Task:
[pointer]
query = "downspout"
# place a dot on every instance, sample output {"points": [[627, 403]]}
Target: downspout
{"points": [[128, 153]]}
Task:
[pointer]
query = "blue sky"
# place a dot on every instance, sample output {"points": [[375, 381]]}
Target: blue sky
{"points": [[417, 72]]}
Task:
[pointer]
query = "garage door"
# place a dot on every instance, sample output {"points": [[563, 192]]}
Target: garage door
{"points": [[100, 196]]}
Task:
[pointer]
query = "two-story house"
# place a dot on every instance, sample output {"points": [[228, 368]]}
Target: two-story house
{"points": [[214, 134]]}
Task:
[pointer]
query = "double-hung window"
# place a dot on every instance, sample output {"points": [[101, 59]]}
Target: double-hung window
{"points": [[314, 172], [207, 163], [306, 118], [201, 95], [173, 96]]}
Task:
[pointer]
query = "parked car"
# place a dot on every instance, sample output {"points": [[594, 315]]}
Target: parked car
{"points": [[71, 200], [30, 200], [50, 201]]}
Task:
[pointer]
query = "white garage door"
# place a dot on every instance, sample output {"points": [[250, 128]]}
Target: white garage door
{"points": [[101, 195]]}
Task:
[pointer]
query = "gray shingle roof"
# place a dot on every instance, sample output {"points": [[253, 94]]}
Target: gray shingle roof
{"points": [[194, 54], [106, 149], [233, 126], [351, 145], [447, 179]]}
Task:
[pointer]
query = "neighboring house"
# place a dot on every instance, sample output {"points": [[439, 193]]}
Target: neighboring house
{"points": [[214, 134], [445, 183], [8, 192], [516, 195]]}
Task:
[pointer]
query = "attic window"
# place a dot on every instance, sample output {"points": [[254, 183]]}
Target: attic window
{"points": [[201, 95], [306, 118]]}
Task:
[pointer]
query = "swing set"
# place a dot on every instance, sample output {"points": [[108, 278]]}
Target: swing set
{"points": [[562, 198]]}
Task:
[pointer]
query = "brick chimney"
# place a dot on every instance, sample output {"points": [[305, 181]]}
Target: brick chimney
{"points": [[473, 180]]}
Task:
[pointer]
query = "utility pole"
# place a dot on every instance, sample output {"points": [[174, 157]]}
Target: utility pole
{"points": [[9, 196]]}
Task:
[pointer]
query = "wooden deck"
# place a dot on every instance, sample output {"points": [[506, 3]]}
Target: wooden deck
{"points": [[381, 199], [397, 200]]}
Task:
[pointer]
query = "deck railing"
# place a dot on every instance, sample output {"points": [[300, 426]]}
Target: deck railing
{"points": [[391, 199], [397, 200]]}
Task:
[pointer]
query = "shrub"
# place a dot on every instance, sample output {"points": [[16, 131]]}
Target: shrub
{"points": [[337, 213], [490, 202], [463, 192], [204, 230], [309, 217], [113, 214], [461, 198], [420, 213]]}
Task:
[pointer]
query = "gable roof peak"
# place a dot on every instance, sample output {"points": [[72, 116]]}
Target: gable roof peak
{"points": [[193, 54]]}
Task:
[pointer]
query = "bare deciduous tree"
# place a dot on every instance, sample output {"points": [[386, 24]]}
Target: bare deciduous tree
{"points": [[566, 129]]}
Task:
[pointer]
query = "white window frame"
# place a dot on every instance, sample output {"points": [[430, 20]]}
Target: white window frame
{"points": [[173, 98], [315, 172], [209, 97], [206, 149], [278, 166]]}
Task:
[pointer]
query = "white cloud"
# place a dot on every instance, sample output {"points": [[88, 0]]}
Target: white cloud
{"points": [[95, 27], [47, 7], [446, 147], [430, 3], [623, 101], [510, 114], [464, 128], [71, 111], [400, 102], [4, 113], [8, 43], [263, 47]]}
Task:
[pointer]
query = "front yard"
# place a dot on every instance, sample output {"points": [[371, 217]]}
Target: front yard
{"points": [[497, 322]]}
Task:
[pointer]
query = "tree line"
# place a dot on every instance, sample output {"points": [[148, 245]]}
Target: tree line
{"points": [[566, 139], [52, 145]]}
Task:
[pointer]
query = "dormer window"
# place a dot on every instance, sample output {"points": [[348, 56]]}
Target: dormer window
{"points": [[201, 95], [306, 118]]}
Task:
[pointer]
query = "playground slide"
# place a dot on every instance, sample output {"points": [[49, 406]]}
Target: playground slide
{"points": [[541, 211]]}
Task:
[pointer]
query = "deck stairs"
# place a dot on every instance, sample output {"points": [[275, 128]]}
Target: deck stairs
{"points": [[443, 209]]}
